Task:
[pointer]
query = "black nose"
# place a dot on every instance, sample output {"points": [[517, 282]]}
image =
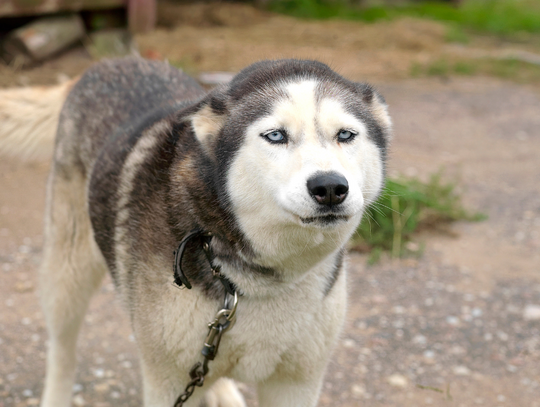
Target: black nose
{"points": [[329, 188]]}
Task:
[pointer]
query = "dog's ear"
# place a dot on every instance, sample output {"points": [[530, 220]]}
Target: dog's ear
{"points": [[377, 106], [209, 117]]}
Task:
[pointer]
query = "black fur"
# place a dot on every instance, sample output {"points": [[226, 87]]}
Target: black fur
{"points": [[338, 266]]}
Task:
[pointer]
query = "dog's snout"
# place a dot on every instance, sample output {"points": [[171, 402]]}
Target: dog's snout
{"points": [[328, 188]]}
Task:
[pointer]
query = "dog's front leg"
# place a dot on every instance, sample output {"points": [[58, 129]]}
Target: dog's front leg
{"points": [[162, 386], [284, 392]]}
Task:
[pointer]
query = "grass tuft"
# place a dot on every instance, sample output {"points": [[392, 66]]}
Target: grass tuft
{"points": [[407, 206]]}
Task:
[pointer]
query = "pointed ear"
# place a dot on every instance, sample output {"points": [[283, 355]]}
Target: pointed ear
{"points": [[378, 107], [209, 118]]}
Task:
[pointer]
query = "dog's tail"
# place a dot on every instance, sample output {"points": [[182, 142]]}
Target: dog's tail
{"points": [[29, 118]]}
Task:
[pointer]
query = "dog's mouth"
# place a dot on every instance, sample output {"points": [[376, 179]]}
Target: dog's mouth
{"points": [[325, 220]]}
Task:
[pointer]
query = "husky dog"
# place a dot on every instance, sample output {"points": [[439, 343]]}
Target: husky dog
{"points": [[277, 166]]}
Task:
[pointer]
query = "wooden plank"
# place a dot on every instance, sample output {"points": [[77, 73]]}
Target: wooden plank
{"points": [[14, 8], [141, 15], [42, 38]]}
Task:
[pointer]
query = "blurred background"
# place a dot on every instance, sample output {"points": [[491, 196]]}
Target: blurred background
{"points": [[444, 272], [367, 39]]}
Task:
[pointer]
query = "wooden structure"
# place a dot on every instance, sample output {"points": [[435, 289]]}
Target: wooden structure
{"points": [[141, 13]]}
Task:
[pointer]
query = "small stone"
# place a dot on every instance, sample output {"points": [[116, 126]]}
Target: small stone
{"points": [[517, 361], [412, 246], [398, 309], [32, 402], [349, 343], [358, 391], [461, 370], [457, 350], [78, 400], [27, 393], [101, 387], [511, 368], [126, 364], [452, 320], [420, 340], [501, 398], [24, 249], [531, 312], [397, 380], [77, 387], [99, 373], [476, 312], [378, 299]]}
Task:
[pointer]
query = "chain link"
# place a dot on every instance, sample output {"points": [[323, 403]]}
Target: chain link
{"points": [[223, 321], [197, 374]]}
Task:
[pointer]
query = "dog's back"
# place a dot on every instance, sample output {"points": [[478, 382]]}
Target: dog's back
{"points": [[112, 98]]}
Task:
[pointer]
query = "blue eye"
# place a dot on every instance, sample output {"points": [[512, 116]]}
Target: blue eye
{"points": [[345, 135], [275, 136]]}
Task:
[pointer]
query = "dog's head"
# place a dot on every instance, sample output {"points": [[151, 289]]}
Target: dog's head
{"points": [[300, 149]]}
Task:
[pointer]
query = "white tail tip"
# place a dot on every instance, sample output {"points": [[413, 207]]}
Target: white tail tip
{"points": [[29, 119]]}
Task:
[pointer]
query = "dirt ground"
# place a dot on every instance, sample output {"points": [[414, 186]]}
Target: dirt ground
{"points": [[458, 327]]}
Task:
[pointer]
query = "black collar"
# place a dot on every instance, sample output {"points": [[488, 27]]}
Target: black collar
{"points": [[180, 278]]}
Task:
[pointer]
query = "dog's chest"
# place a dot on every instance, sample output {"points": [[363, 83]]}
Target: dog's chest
{"points": [[286, 334]]}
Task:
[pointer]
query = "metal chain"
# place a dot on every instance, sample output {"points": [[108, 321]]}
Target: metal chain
{"points": [[197, 374], [223, 321]]}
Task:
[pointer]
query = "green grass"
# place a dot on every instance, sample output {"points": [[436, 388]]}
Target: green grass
{"points": [[511, 69], [503, 17], [186, 64], [456, 34], [407, 206]]}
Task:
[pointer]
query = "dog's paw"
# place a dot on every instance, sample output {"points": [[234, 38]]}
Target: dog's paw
{"points": [[224, 393]]}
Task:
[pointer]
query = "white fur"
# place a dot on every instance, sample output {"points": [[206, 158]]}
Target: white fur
{"points": [[29, 118], [206, 125], [224, 393], [71, 270]]}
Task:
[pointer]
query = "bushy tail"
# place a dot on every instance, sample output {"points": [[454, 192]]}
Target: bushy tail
{"points": [[29, 118]]}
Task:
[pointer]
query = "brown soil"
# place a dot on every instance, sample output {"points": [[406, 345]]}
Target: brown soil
{"points": [[452, 321]]}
